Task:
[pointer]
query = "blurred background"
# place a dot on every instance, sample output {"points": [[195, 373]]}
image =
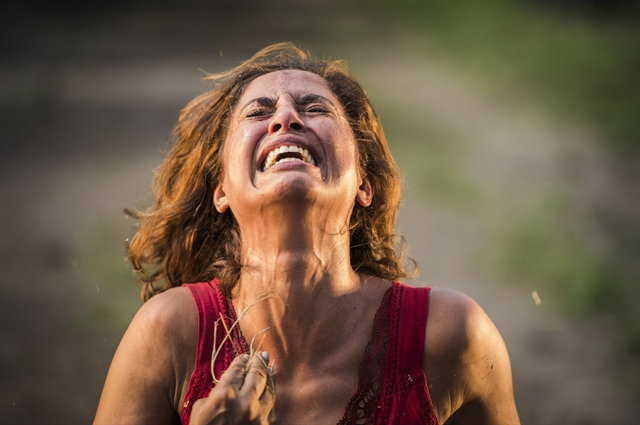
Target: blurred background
{"points": [[517, 124]]}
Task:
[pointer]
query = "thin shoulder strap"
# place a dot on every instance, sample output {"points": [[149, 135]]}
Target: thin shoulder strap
{"points": [[209, 302], [412, 327], [208, 305]]}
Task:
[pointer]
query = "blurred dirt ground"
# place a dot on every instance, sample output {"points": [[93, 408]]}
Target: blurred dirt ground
{"points": [[88, 100]]}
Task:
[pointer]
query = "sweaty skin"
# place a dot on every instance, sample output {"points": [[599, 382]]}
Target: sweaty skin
{"points": [[293, 216]]}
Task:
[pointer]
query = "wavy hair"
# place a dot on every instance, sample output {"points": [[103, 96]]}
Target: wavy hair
{"points": [[182, 238]]}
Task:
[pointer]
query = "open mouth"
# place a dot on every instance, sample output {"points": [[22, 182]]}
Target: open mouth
{"points": [[288, 154]]}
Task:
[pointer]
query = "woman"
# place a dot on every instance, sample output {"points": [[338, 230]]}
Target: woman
{"points": [[280, 197]]}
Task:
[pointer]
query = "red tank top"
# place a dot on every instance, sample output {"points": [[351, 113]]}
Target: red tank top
{"points": [[392, 387]]}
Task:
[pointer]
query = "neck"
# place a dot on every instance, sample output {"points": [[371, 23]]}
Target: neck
{"points": [[313, 288], [308, 293], [298, 252]]}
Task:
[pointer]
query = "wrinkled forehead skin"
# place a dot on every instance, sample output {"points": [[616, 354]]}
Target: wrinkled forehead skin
{"points": [[289, 79]]}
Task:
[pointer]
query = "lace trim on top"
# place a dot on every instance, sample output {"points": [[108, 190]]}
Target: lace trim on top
{"points": [[364, 406]]}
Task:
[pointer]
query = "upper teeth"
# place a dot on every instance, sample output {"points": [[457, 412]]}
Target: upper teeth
{"points": [[271, 158]]}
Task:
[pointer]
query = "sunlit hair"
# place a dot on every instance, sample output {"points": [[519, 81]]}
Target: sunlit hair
{"points": [[182, 238]]}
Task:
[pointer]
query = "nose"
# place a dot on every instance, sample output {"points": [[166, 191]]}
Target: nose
{"points": [[286, 118]]}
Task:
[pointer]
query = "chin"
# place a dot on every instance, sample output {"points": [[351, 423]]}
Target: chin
{"points": [[289, 184], [294, 189]]}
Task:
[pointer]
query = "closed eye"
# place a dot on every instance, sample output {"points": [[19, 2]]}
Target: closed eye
{"points": [[317, 109], [259, 112]]}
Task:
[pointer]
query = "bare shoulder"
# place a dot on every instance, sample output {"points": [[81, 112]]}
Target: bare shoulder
{"points": [[168, 313], [454, 321], [466, 362], [150, 369], [166, 325]]}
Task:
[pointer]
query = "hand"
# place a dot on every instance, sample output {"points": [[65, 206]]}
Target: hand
{"points": [[241, 397]]}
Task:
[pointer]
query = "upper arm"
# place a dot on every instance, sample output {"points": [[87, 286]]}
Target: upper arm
{"points": [[467, 363], [146, 376]]}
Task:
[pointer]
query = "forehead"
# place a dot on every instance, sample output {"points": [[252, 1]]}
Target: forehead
{"points": [[278, 83]]}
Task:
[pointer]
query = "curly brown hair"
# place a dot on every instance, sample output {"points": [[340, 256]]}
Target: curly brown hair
{"points": [[182, 236]]}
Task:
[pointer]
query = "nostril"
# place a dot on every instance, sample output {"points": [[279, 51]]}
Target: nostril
{"points": [[295, 126], [276, 127]]}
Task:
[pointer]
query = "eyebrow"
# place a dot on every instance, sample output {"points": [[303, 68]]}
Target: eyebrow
{"points": [[297, 99], [261, 101]]}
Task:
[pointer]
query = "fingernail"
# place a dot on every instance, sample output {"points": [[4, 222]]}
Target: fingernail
{"points": [[245, 357], [265, 356]]}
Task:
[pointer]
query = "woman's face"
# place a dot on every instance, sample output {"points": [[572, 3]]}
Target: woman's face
{"points": [[289, 140]]}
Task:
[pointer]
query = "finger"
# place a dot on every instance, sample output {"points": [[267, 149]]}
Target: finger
{"points": [[235, 375], [219, 405], [268, 398], [256, 378]]}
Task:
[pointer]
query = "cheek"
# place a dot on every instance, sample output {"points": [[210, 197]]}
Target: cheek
{"points": [[339, 134], [239, 144], [249, 132], [346, 149]]}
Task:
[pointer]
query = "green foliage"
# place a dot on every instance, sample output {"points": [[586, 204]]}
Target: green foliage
{"points": [[556, 256], [111, 299], [431, 154], [578, 67]]}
